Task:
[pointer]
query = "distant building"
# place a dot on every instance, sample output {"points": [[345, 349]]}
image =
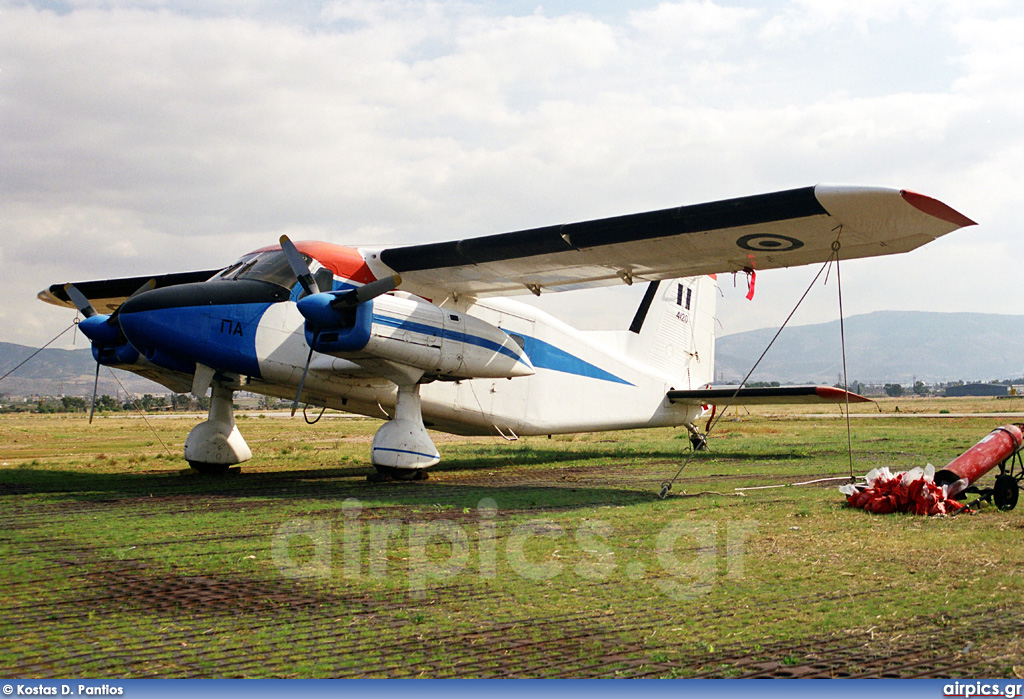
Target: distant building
{"points": [[978, 389]]}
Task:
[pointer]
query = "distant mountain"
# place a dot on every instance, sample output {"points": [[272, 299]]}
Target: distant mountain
{"points": [[885, 346], [63, 372]]}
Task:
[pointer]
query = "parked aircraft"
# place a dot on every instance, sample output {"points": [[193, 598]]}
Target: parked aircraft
{"points": [[426, 336]]}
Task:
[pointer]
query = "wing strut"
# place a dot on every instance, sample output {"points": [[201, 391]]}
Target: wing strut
{"points": [[645, 305]]}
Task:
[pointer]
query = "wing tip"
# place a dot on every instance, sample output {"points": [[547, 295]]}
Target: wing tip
{"points": [[56, 295], [839, 395], [934, 207]]}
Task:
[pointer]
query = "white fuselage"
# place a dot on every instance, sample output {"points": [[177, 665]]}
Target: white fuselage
{"points": [[581, 381]]}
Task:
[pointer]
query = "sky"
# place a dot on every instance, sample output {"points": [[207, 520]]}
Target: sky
{"points": [[141, 137]]}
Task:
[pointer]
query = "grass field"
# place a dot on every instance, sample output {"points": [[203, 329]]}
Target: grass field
{"points": [[542, 558]]}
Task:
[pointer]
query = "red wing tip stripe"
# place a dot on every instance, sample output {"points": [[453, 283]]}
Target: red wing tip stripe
{"points": [[766, 395], [934, 207], [839, 395]]}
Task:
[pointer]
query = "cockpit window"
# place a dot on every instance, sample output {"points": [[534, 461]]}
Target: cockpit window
{"points": [[229, 271], [272, 266], [324, 277]]}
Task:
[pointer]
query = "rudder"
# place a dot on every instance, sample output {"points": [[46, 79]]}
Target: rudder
{"points": [[676, 328]]}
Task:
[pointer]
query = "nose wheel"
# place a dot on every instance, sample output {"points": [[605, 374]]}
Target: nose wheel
{"points": [[215, 445]]}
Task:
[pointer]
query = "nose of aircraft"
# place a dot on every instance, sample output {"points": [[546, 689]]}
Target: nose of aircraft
{"points": [[166, 324], [211, 293], [212, 323]]}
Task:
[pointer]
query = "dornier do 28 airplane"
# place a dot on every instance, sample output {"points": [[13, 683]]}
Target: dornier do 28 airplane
{"points": [[424, 335]]}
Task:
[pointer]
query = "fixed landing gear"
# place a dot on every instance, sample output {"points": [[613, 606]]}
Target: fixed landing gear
{"points": [[403, 444], [212, 469], [402, 449], [387, 473], [698, 440], [215, 445]]}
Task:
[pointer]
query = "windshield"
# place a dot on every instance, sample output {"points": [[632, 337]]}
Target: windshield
{"points": [[272, 266]]}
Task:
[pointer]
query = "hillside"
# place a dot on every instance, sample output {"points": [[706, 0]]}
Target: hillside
{"points": [[885, 346], [63, 372]]}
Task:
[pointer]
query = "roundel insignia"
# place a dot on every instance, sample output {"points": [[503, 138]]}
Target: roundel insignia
{"points": [[769, 242]]}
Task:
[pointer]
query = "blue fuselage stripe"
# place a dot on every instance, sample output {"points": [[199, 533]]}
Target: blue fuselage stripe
{"points": [[454, 335], [544, 355]]}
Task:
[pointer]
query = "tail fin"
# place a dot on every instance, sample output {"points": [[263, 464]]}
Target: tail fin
{"points": [[676, 328]]}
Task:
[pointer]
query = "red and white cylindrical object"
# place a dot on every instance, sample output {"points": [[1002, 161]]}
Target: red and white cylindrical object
{"points": [[995, 448]]}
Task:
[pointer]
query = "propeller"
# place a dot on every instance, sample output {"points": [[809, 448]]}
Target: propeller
{"points": [[305, 277], [95, 386], [366, 292], [86, 308], [80, 301], [305, 370], [104, 330], [335, 301], [299, 267]]}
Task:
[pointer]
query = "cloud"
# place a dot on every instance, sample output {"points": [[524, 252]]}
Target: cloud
{"points": [[693, 27], [802, 18], [154, 137]]}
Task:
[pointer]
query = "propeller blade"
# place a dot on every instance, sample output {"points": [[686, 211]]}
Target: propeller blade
{"points": [[95, 386], [299, 266], [148, 286], [302, 381], [367, 292], [80, 301]]}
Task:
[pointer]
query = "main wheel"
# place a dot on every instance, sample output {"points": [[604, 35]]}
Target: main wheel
{"points": [[209, 469], [399, 474], [698, 441], [1005, 492]]}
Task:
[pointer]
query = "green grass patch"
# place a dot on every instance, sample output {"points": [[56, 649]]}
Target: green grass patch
{"points": [[547, 557]]}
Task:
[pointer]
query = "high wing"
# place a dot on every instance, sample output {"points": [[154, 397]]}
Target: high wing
{"points": [[108, 294], [765, 231], [777, 395]]}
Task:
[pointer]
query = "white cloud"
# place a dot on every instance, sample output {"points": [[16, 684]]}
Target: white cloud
{"points": [[693, 26], [149, 137], [810, 17]]}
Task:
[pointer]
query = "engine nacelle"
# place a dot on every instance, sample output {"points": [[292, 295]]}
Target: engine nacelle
{"points": [[415, 333], [109, 346]]}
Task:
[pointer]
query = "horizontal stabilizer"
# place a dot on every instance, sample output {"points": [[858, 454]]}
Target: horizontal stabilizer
{"points": [[776, 395]]}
